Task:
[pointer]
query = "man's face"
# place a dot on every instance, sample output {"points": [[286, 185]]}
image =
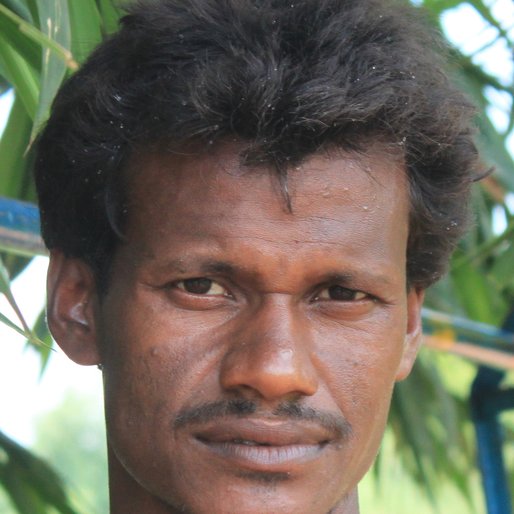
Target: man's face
{"points": [[250, 351]]}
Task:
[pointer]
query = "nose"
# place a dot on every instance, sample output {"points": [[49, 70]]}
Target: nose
{"points": [[270, 355]]}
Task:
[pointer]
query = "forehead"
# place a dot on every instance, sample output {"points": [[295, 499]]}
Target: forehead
{"points": [[341, 201], [377, 175]]}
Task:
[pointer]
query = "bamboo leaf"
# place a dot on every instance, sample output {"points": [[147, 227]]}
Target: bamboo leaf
{"points": [[477, 294], [41, 39], [485, 250], [4, 85], [13, 145], [502, 269], [55, 25], [439, 6], [110, 15], [6, 321], [5, 289], [32, 7], [34, 340], [18, 7], [19, 73], [41, 331], [85, 25], [34, 487], [26, 47], [492, 145]]}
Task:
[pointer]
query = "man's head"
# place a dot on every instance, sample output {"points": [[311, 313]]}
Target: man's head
{"points": [[245, 201]]}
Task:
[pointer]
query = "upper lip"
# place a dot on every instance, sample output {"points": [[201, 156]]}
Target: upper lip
{"points": [[264, 431]]}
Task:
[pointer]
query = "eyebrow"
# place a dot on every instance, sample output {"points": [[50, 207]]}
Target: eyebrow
{"points": [[360, 276], [220, 267], [198, 265]]}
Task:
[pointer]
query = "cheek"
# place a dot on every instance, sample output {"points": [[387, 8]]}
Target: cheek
{"points": [[156, 361], [146, 385], [361, 367], [365, 355]]}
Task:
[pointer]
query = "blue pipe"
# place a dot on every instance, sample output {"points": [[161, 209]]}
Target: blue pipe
{"points": [[487, 401], [461, 329], [19, 228]]}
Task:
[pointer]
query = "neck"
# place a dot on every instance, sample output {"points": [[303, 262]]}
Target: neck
{"points": [[127, 496]]}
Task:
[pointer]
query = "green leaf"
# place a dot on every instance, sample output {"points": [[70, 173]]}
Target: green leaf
{"points": [[33, 486], [4, 85], [55, 25], [492, 145], [439, 6], [13, 145], [32, 7], [85, 25], [41, 331], [502, 269], [485, 250], [26, 47], [480, 299], [18, 7], [5, 289], [6, 321], [110, 15], [40, 38], [14, 263], [20, 74]]}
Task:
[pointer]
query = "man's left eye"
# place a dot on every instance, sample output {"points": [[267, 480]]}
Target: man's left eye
{"points": [[341, 294], [201, 286]]}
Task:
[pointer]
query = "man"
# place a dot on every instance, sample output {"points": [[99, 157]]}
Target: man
{"points": [[244, 202]]}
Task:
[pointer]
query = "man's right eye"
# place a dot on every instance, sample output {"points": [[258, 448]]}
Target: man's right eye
{"points": [[201, 286], [341, 294]]}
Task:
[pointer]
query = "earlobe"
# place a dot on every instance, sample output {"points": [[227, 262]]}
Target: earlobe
{"points": [[413, 336], [72, 306]]}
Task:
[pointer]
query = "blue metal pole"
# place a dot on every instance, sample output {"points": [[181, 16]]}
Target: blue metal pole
{"points": [[461, 329], [490, 441], [19, 228], [487, 401]]}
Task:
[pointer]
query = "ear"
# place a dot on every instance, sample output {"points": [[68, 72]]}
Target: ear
{"points": [[72, 306], [412, 342]]}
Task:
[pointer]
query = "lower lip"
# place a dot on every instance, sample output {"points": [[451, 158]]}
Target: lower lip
{"points": [[265, 458]]}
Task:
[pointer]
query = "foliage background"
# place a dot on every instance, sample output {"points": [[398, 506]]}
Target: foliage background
{"points": [[429, 446]]}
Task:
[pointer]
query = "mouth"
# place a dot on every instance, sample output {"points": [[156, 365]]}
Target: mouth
{"points": [[264, 445]]}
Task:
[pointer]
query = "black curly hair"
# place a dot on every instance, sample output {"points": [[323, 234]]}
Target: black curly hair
{"points": [[288, 79]]}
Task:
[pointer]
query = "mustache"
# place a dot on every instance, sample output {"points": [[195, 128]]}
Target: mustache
{"points": [[208, 412]]}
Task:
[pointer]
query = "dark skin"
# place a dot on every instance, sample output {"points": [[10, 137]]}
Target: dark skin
{"points": [[249, 351]]}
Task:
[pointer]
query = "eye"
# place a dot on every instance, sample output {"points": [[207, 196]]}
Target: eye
{"points": [[341, 294], [201, 286]]}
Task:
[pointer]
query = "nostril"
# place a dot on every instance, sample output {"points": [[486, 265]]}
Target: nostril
{"points": [[269, 375]]}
